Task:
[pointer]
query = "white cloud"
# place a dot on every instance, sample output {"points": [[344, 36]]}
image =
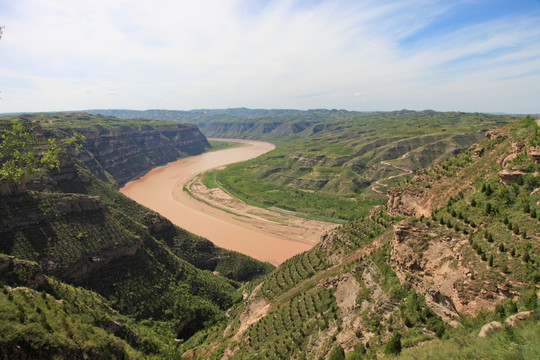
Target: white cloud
{"points": [[227, 53]]}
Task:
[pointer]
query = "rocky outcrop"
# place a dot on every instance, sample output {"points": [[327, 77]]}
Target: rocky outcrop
{"points": [[489, 327], [535, 154], [118, 329], [407, 203], [514, 319], [431, 260], [494, 134], [15, 272], [510, 177], [510, 321], [24, 210], [9, 187], [78, 270], [126, 153]]}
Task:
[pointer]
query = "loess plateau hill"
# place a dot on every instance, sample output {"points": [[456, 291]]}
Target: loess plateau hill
{"points": [[437, 257]]}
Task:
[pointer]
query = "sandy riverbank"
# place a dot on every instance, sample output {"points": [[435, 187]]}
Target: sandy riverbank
{"points": [[227, 222]]}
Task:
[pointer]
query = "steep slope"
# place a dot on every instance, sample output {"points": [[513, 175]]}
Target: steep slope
{"points": [[332, 163], [117, 150], [346, 167], [78, 229], [43, 318], [393, 281]]}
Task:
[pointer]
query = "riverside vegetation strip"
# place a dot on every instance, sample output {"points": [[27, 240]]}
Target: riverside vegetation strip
{"points": [[262, 234], [376, 286]]}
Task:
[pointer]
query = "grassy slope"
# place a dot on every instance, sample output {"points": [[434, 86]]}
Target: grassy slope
{"points": [[340, 168]]}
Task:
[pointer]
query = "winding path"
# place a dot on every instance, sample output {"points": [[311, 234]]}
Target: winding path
{"points": [[161, 190]]}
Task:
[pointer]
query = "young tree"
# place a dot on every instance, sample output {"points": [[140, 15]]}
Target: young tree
{"points": [[394, 345], [337, 353], [21, 159]]}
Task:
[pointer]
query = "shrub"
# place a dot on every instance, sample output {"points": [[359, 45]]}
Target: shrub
{"points": [[530, 301], [337, 353], [394, 345]]}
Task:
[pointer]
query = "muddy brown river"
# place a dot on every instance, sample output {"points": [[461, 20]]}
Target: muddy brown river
{"points": [[269, 238]]}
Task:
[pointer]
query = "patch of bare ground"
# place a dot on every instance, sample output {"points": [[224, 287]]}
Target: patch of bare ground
{"points": [[255, 309], [286, 226], [347, 290], [433, 262]]}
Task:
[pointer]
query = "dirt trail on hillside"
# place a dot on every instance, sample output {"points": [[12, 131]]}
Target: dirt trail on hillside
{"points": [[229, 223]]}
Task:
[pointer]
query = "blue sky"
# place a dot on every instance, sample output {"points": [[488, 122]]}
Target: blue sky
{"points": [[463, 55]]}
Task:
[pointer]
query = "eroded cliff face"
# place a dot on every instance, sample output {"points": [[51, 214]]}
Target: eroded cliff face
{"points": [[439, 264], [125, 154]]}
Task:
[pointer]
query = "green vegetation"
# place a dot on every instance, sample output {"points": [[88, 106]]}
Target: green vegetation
{"points": [[340, 166], [268, 194], [216, 145], [18, 152], [80, 230], [209, 179], [397, 303], [520, 342], [87, 272]]}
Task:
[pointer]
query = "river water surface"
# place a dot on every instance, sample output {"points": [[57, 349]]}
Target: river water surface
{"points": [[161, 190]]}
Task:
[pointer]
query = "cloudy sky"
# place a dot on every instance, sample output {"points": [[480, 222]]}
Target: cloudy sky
{"points": [[467, 55]]}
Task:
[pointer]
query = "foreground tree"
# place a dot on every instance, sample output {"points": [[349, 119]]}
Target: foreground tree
{"points": [[21, 159]]}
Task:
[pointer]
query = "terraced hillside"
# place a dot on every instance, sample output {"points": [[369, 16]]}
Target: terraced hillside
{"points": [[344, 169], [333, 164], [449, 267], [67, 228], [419, 279]]}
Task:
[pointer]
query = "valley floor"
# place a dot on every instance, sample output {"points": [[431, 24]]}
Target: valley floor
{"points": [[229, 223]]}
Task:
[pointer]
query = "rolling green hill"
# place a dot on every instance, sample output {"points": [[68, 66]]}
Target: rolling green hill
{"points": [[344, 169]]}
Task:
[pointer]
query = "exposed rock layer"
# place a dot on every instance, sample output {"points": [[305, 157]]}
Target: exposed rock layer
{"points": [[127, 154]]}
